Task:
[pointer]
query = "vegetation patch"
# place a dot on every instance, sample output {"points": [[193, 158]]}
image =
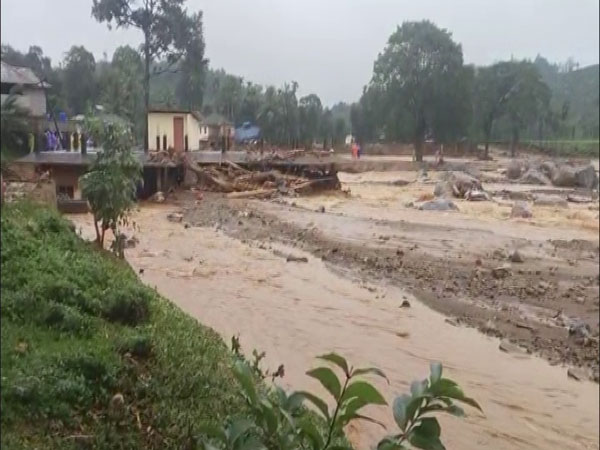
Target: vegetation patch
{"points": [[92, 357]]}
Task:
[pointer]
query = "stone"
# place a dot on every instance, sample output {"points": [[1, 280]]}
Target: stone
{"points": [[550, 200], [405, 304], [579, 329], [502, 271], [521, 210], [509, 347], [548, 168], [158, 197], [439, 204], [321, 209], [564, 176], [516, 257], [577, 373], [586, 177], [514, 169], [475, 195], [292, 258], [533, 176]]}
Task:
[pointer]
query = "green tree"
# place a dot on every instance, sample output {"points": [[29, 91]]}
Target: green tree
{"points": [[527, 100], [251, 103], [190, 87], [340, 131], [80, 79], [169, 33], [110, 185], [122, 87], [421, 75], [310, 113], [14, 125]]}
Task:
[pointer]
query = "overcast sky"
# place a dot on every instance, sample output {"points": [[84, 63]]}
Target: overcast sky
{"points": [[327, 46]]}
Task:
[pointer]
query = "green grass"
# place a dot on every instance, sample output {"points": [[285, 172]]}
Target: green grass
{"points": [[78, 328], [583, 148]]}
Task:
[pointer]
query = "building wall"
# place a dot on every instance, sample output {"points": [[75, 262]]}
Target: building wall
{"points": [[160, 124], [68, 176], [33, 100]]}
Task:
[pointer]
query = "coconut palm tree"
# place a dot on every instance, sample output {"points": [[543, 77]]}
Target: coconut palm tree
{"points": [[14, 125]]}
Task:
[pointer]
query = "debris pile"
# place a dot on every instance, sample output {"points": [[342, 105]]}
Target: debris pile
{"points": [[239, 182]]}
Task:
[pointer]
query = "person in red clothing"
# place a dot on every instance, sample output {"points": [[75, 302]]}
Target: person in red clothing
{"points": [[354, 150]]}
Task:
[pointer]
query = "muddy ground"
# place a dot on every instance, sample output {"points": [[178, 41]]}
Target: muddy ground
{"points": [[450, 261]]}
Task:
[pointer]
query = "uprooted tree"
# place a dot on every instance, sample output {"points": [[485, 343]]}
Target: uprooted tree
{"points": [[111, 183]]}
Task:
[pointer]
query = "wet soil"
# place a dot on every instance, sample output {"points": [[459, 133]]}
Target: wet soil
{"points": [[464, 273]]}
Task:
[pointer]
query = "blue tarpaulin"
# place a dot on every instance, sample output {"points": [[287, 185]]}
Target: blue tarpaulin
{"points": [[247, 132]]}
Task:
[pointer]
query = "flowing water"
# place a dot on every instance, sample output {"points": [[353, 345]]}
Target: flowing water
{"points": [[296, 311]]}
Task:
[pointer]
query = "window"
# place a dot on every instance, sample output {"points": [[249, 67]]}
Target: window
{"points": [[65, 192]]}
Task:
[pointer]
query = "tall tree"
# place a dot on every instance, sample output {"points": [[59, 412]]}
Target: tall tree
{"points": [[420, 69], [526, 101], [169, 32], [190, 87], [310, 115], [122, 87], [80, 79]]}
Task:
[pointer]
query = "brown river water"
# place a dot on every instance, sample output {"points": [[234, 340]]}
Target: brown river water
{"points": [[296, 311]]}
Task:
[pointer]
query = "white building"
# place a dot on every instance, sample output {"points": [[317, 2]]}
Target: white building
{"points": [[173, 128]]}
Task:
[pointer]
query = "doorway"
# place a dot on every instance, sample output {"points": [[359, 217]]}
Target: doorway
{"points": [[178, 133]]}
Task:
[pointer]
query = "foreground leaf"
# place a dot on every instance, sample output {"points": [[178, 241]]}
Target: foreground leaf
{"points": [[370, 370], [244, 376], [366, 392], [320, 404], [328, 379], [338, 360]]}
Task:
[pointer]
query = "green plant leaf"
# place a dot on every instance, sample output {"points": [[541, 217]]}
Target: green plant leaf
{"points": [[338, 360], [243, 374], [399, 410], [364, 391], [320, 404], [448, 388], [370, 370], [328, 379], [294, 401], [252, 443], [418, 387], [426, 435], [237, 429], [269, 415], [389, 444], [436, 371], [348, 418], [213, 431], [430, 426], [312, 434]]}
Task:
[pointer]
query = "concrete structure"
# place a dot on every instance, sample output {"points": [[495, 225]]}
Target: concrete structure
{"points": [[65, 168], [28, 88], [215, 129], [173, 128]]}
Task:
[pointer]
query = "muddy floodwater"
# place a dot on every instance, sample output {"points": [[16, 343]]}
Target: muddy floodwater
{"points": [[295, 311]]}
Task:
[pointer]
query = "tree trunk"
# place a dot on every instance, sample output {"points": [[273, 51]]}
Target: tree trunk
{"points": [[98, 241], [419, 150], [513, 143], [146, 88]]}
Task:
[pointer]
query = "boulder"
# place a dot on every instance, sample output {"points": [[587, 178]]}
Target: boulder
{"points": [[158, 197], [550, 200], [586, 177], [548, 168], [456, 184], [534, 176], [564, 176], [439, 204], [521, 210], [475, 195], [514, 170]]}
